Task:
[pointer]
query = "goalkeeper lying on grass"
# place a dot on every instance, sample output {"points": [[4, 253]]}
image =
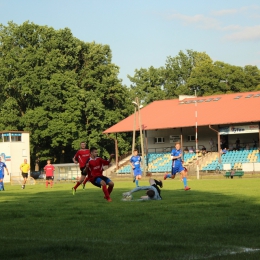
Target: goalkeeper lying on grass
{"points": [[153, 192]]}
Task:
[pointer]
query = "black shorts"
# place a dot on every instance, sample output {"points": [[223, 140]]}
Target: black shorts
{"points": [[49, 178], [25, 175], [82, 171]]}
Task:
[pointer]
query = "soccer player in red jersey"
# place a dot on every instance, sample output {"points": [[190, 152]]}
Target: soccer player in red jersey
{"points": [[81, 157], [49, 170], [95, 172]]}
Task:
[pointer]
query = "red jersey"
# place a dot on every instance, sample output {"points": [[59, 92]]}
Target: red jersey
{"points": [[82, 156], [95, 167], [49, 169]]}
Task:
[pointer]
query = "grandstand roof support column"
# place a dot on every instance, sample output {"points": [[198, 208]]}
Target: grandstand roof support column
{"points": [[116, 150], [134, 129], [182, 145], [219, 155], [259, 137]]}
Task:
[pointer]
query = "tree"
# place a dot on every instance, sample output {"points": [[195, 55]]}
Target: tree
{"points": [[148, 85], [59, 88]]}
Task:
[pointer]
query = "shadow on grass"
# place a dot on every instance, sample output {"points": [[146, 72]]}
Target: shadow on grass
{"points": [[54, 224]]}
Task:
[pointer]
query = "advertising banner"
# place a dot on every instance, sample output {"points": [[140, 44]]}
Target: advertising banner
{"points": [[245, 129]]}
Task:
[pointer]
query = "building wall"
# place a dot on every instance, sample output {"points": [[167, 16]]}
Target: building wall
{"points": [[13, 154], [204, 136]]}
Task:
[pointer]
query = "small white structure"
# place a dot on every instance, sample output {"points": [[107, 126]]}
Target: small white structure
{"points": [[14, 148]]}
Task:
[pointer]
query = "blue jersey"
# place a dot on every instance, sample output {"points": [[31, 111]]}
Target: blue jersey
{"points": [[2, 171], [135, 161], [178, 161]]}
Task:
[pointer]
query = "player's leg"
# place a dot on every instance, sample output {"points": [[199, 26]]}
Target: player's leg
{"points": [[137, 178], [25, 176], [1, 184], [158, 183], [103, 184], [184, 178], [82, 178], [86, 179], [47, 182], [110, 186], [51, 181], [170, 175]]}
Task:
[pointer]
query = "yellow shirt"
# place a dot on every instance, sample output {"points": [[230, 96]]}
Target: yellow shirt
{"points": [[25, 167]]}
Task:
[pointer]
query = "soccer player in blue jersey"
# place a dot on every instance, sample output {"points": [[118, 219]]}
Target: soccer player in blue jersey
{"points": [[2, 174], [135, 162], [177, 166]]}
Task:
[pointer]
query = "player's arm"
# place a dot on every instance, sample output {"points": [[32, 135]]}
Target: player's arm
{"points": [[7, 170], [173, 157], [111, 157], [132, 164], [136, 189], [75, 158]]}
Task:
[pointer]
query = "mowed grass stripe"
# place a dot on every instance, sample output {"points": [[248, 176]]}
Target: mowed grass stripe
{"points": [[214, 219]]}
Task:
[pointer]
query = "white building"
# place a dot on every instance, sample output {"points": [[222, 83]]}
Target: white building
{"points": [[14, 148]]}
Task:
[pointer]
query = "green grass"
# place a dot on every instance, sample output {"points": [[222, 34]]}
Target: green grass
{"points": [[217, 219]]}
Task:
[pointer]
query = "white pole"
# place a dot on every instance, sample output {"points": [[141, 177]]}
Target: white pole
{"points": [[141, 136], [196, 136]]}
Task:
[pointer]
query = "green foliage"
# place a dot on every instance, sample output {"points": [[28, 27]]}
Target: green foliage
{"points": [[190, 70], [59, 88]]}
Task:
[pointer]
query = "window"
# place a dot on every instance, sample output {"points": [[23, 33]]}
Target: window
{"points": [[257, 95], [191, 137], [249, 96], [6, 137], [159, 140], [16, 137], [208, 100], [216, 99]]}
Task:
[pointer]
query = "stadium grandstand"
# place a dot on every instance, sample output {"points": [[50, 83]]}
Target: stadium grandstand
{"points": [[227, 129]]}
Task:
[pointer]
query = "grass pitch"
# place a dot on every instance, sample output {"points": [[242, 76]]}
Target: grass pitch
{"points": [[216, 219]]}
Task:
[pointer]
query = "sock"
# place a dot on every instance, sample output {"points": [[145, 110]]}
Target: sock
{"points": [[136, 183], [85, 181], [168, 176], [51, 184], [1, 185], [76, 186], [47, 184], [104, 188], [184, 181], [110, 188]]}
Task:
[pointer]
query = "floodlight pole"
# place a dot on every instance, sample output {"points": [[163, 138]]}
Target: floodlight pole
{"points": [[196, 136], [134, 129], [137, 104]]}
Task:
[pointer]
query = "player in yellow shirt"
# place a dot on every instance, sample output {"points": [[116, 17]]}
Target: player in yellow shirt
{"points": [[25, 168]]}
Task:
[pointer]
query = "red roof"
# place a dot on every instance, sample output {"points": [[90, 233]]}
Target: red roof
{"points": [[211, 110]]}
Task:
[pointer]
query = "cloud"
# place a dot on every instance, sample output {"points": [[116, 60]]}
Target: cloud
{"points": [[234, 32], [225, 12], [244, 10], [249, 33], [198, 20]]}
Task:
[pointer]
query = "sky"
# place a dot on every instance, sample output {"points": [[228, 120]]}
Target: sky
{"points": [[143, 33]]}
